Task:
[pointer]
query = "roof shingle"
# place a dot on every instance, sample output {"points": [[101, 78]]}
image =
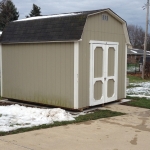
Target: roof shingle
{"points": [[60, 28]]}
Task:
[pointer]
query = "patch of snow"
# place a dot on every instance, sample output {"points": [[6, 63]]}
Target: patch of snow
{"points": [[141, 90], [133, 51], [125, 100], [81, 114], [136, 49], [15, 116], [43, 17], [148, 97], [132, 68], [141, 84]]}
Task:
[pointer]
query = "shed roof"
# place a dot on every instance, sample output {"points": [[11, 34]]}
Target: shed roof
{"points": [[62, 27]]}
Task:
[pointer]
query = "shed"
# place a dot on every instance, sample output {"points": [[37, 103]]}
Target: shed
{"points": [[73, 60]]}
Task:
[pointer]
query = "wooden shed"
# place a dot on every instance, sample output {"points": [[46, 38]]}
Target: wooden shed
{"points": [[73, 60]]}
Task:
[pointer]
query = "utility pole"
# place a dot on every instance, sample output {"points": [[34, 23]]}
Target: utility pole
{"points": [[145, 40]]}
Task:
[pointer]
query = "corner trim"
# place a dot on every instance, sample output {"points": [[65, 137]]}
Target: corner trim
{"points": [[103, 42], [125, 70], [76, 74], [1, 77]]}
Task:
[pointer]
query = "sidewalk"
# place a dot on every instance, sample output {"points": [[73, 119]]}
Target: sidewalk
{"points": [[128, 132]]}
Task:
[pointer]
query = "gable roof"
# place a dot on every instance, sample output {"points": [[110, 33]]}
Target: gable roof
{"points": [[63, 27]]}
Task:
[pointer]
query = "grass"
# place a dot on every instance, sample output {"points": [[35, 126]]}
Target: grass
{"points": [[138, 102], [143, 86], [97, 114], [130, 86], [136, 79]]}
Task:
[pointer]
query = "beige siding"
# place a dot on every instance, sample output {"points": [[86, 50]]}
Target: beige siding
{"points": [[100, 30], [42, 73]]}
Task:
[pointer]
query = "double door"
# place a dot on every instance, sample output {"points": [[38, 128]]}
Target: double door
{"points": [[103, 72]]}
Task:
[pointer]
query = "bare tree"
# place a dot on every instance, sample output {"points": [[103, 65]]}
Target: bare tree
{"points": [[136, 34]]}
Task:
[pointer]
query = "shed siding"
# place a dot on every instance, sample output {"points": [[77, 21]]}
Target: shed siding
{"points": [[100, 30], [42, 73]]}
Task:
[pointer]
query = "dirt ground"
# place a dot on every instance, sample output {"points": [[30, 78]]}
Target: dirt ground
{"points": [[5, 103], [136, 75]]}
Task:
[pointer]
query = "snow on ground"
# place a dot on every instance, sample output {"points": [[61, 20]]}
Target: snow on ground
{"points": [[139, 89], [132, 69], [15, 116]]}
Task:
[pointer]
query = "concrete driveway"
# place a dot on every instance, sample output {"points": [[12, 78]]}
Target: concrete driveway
{"points": [[128, 132]]}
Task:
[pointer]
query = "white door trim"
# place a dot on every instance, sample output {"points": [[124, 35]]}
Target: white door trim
{"points": [[115, 77], [103, 42], [92, 80], [76, 74]]}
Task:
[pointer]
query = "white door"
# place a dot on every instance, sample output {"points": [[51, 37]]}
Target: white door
{"points": [[103, 72]]}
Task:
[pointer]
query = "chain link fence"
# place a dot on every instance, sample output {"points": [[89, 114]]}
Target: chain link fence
{"points": [[133, 68]]}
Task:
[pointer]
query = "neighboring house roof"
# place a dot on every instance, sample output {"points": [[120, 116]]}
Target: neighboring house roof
{"points": [[137, 52], [62, 27], [0, 34]]}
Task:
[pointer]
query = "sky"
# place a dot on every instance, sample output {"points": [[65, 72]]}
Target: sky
{"points": [[129, 10]]}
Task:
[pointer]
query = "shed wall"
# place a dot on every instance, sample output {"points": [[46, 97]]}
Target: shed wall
{"points": [[42, 73], [100, 30]]}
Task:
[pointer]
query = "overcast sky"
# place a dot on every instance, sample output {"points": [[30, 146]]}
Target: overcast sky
{"points": [[129, 10]]}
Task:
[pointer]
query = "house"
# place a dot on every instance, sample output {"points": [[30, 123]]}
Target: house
{"points": [[73, 60], [141, 62], [134, 55], [147, 59]]}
